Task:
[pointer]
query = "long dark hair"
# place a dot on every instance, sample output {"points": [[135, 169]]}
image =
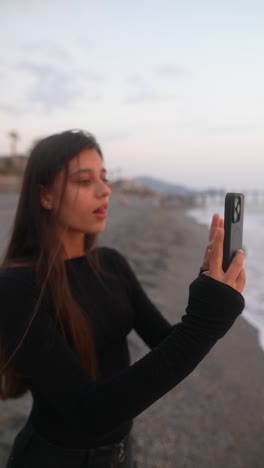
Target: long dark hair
{"points": [[33, 242]]}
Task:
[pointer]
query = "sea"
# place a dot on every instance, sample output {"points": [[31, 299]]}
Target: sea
{"points": [[253, 237]]}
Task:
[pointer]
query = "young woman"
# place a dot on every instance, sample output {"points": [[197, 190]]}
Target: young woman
{"points": [[67, 307]]}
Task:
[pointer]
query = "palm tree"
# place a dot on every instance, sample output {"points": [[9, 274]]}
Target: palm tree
{"points": [[14, 137]]}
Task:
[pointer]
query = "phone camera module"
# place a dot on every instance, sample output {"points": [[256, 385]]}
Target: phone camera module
{"points": [[237, 210]]}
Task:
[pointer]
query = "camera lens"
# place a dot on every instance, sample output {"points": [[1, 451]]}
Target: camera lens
{"points": [[236, 209]]}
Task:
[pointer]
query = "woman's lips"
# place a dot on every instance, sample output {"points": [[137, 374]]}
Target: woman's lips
{"points": [[101, 213]]}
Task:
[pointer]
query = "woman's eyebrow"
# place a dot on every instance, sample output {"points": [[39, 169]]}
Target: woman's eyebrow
{"points": [[86, 169]]}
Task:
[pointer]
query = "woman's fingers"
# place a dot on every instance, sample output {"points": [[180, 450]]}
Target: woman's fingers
{"points": [[216, 257], [235, 276], [241, 281], [214, 225], [216, 222], [206, 260], [235, 267]]}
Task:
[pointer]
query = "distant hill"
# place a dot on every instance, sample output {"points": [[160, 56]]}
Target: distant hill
{"points": [[162, 187]]}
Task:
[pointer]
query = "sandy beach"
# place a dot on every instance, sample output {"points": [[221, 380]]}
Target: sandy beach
{"points": [[215, 417]]}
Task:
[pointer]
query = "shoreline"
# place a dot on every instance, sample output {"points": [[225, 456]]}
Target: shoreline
{"points": [[214, 417]]}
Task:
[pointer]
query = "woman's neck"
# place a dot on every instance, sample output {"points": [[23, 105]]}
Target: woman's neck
{"points": [[73, 245]]}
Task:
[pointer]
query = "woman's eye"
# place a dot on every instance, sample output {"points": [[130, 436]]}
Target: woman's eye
{"points": [[89, 181], [85, 181]]}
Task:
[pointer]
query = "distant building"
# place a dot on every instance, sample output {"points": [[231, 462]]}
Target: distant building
{"points": [[13, 164]]}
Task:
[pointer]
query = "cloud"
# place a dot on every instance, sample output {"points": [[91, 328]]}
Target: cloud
{"points": [[53, 88], [45, 87], [56, 54], [172, 71], [12, 109], [49, 48], [44, 75], [141, 91]]}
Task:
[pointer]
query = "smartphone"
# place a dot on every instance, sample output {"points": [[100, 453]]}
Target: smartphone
{"points": [[233, 225]]}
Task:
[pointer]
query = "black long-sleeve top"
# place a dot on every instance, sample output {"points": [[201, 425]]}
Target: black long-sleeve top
{"points": [[70, 407]]}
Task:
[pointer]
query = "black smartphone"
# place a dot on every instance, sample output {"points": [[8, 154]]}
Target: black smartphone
{"points": [[233, 225]]}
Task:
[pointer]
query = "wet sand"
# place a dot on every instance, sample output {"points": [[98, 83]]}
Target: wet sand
{"points": [[215, 417]]}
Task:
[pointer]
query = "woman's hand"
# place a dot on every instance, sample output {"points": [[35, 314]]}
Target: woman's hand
{"points": [[235, 276]]}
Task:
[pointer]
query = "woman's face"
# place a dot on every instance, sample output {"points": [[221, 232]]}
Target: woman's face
{"points": [[83, 207]]}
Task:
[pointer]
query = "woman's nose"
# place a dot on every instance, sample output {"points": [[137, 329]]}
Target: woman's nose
{"points": [[103, 188]]}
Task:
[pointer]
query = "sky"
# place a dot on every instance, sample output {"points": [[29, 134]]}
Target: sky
{"points": [[171, 89]]}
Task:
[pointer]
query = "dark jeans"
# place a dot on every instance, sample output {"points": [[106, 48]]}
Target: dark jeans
{"points": [[32, 451]]}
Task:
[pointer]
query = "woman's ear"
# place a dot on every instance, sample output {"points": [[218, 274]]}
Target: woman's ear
{"points": [[45, 198]]}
